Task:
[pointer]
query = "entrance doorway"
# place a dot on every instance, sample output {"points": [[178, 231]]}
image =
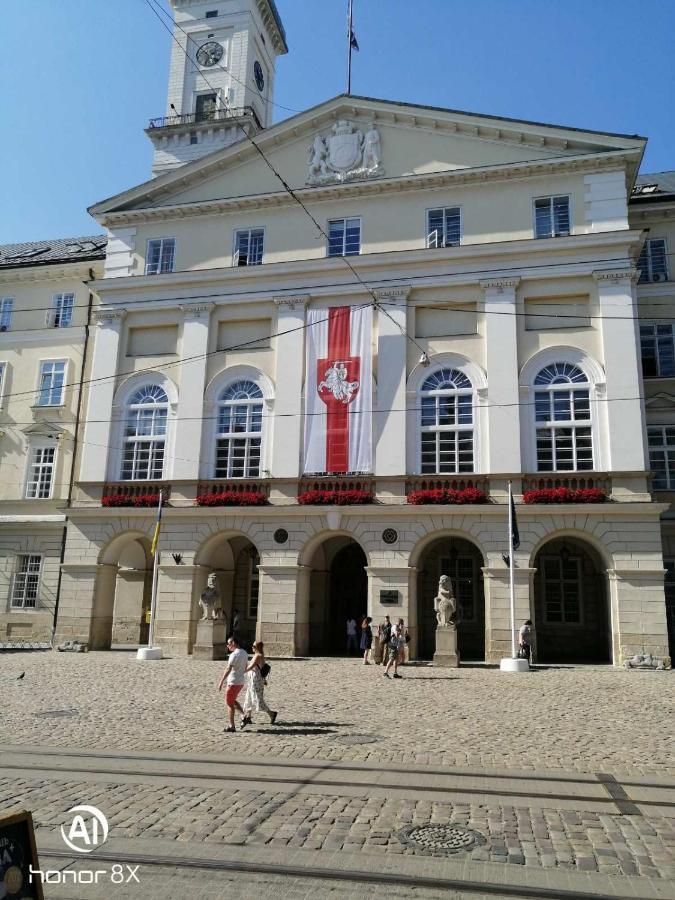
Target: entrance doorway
{"points": [[571, 619], [338, 591], [462, 561]]}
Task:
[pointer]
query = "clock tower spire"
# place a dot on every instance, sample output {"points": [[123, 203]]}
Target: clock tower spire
{"points": [[221, 78]]}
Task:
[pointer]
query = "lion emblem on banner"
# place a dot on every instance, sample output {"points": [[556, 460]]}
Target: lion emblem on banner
{"points": [[336, 381]]}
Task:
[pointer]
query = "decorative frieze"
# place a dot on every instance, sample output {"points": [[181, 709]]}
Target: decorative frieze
{"points": [[108, 318], [292, 301], [616, 276]]}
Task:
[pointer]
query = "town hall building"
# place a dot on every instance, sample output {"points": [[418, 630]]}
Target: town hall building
{"points": [[332, 342]]}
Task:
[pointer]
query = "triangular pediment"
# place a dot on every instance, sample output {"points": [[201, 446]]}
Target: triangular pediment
{"points": [[662, 401], [352, 140]]}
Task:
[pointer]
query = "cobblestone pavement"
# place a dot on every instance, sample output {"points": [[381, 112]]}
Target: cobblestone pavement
{"points": [[585, 841], [584, 719]]}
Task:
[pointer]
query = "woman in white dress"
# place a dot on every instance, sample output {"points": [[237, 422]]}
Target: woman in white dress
{"points": [[255, 687]]}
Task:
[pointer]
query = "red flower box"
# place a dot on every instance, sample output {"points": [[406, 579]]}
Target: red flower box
{"points": [[444, 496], [139, 500], [335, 498], [232, 498], [565, 495]]}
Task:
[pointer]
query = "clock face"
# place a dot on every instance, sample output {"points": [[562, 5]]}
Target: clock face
{"points": [[258, 75], [210, 54]]}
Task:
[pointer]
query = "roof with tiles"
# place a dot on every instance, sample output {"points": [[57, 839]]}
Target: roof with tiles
{"points": [[52, 252], [654, 186]]}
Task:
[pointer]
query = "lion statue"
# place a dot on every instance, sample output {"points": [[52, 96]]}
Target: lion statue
{"points": [[445, 604]]}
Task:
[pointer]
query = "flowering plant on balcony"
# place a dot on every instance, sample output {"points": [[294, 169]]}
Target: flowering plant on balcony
{"points": [[335, 498], [443, 496], [138, 500], [565, 495], [232, 498]]}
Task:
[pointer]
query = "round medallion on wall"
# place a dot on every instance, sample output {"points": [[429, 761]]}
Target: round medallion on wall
{"points": [[259, 76], [280, 536], [390, 535]]}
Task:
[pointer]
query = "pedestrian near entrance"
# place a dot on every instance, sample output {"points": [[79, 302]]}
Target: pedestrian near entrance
{"points": [[351, 635], [235, 621], [366, 639], [405, 640], [525, 640], [397, 639], [234, 677], [255, 686], [384, 636]]}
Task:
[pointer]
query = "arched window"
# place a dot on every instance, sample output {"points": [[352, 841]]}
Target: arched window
{"points": [[446, 423], [239, 432], [563, 419], [145, 434]]}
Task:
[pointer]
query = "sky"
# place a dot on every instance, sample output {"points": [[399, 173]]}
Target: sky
{"points": [[79, 80]]}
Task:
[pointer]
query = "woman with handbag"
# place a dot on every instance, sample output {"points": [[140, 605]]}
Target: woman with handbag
{"points": [[366, 638], [256, 673]]}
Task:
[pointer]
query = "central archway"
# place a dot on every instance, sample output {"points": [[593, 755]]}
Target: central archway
{"points": [[338, 590], [120, 616]]}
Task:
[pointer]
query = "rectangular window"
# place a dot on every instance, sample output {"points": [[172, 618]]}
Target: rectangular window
{"points": [[205, 107], [652, 263], [658, 353], [26, 581], [161, 253], [551, 217], [6, 310], [444, 227], [248, 247], [562, 589], [40, 473], [661, 443], [463, 581], [344, 237], [61, 313], [211, 13], [52, 380]]}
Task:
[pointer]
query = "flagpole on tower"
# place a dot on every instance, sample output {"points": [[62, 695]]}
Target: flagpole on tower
{"points": [[352, 44]]}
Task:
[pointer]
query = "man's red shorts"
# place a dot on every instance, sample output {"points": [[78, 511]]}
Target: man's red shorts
{"points": [[232, 693]]}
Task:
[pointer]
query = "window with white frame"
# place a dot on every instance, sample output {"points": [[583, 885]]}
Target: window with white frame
{"points": [[6, 310], [661, 444], [551, 217], [145, 427], [161, 256], [61, 313], [26, 581], [40, 474], [652, 263], [563, 419], [344, 237], [444, 227], [561, 577], [51, 383], [446, 423], [248, 246], [239, 434], [657, 350]]}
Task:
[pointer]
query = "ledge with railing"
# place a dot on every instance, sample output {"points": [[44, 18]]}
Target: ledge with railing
{"points": [[205, 118], [134, 493]]}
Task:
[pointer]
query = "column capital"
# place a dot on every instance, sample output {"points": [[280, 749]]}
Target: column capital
{"points": [[500, 284], [108, 318], [196, 310], [393, 293], [615, 276], [292, 300]]}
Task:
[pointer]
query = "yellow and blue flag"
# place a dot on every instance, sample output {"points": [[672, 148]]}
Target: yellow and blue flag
{"points": [[158, 525]]}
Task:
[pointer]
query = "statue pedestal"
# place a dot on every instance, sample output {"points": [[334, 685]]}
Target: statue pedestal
{"points": [[446, 654], [211, 640]]}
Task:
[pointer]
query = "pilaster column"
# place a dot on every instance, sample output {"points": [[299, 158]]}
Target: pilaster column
{"points": [[501, 357], [94, 463], [188, 423], [389, 420], [624, 412], [498, 606], [290, 368]]}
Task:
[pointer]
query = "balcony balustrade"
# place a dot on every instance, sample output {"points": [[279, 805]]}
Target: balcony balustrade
{"points": [[574, 481], [205, 118]]}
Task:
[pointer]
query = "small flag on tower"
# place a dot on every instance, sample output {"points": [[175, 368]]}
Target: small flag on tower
{"points": [[353, 43]]}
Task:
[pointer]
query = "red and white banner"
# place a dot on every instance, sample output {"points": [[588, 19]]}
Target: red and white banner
{"points": [[338, 392]]}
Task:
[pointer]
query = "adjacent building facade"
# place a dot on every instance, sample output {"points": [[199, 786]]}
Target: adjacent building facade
{"points": [[333, 348]]}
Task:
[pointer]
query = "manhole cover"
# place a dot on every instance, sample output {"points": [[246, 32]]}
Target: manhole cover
{"points": [[55, 713], [358, 738], [440, 839]]}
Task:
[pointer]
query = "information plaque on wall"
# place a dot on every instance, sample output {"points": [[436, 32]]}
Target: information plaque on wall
{"points": [[388, 597], [18, 854]]}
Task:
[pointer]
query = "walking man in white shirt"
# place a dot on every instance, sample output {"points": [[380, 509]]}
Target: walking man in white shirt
{"points": [[235, 677], [351, 635]]}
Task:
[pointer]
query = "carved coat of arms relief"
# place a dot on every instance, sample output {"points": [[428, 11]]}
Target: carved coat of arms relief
{"points": [[346, 154]]}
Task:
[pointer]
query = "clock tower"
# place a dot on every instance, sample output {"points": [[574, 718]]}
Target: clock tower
{"points": [[221, 79]]}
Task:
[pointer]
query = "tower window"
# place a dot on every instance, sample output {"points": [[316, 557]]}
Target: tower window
{"points": [[205, 107], [211, 14]]}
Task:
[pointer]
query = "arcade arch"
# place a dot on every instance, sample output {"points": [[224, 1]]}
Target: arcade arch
{"points": [[123, 593]]}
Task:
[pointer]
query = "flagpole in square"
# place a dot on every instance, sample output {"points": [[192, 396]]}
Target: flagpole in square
{"points": [[152, 652], [513, 663]]}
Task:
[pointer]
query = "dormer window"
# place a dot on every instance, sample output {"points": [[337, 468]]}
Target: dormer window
{"points": [[211, 14], [551, 217], [249, 246]]}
